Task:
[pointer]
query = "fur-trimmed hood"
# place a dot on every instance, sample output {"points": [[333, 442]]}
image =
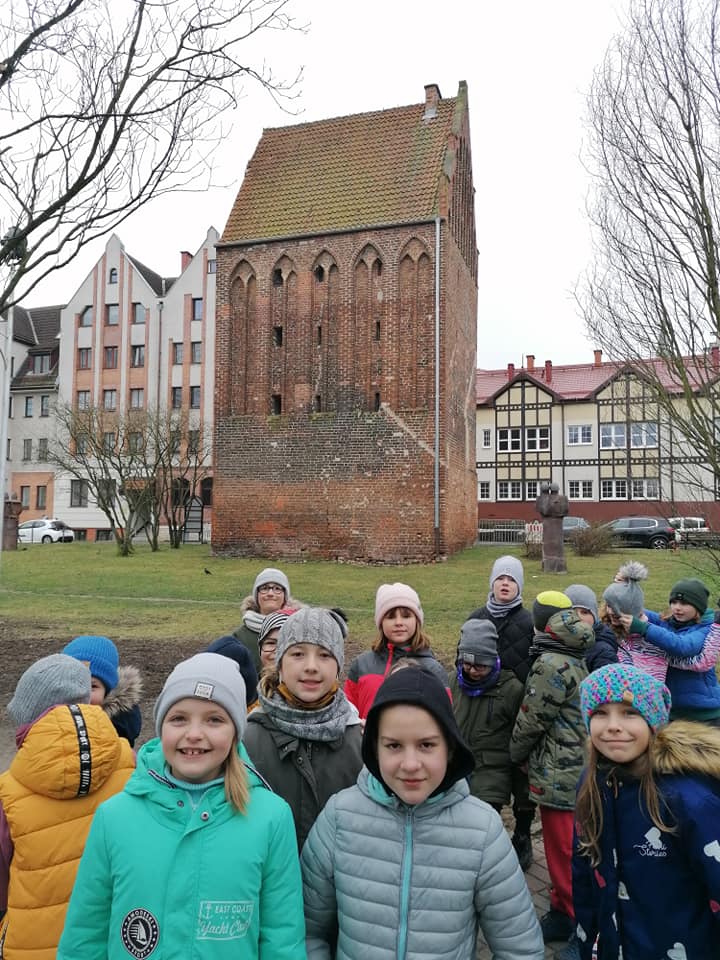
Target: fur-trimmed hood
{"points": [[249, 603], [126, 694], [684, 747]]}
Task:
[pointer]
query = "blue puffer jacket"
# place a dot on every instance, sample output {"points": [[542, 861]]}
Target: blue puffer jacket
{"points": [[656, 894], [162, 878], [691, 690], [398, 882]]}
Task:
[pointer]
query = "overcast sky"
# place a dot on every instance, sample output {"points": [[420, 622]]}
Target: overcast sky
{"points": [[528, 67]]}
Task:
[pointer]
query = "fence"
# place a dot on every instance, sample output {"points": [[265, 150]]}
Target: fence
{"points": [[501, 531]]}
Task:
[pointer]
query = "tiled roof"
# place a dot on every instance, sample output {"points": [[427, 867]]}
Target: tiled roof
{"points": [[580, 381], [160, 285], [22, 327], [363, 170], [46, 321]]}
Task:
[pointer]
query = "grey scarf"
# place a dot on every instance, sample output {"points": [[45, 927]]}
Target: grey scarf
{"points": [[327, 723], [500, 610]]}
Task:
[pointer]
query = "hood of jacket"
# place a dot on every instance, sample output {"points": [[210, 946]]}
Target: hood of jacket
{"points": [[566, 628], [375, 790], [52, 756], [684, 747], [126, 694]]}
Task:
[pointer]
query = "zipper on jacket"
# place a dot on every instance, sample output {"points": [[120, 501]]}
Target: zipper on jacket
{"points": [[391, 649], [405, 880]]}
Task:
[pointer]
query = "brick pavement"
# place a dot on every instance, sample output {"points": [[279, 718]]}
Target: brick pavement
{"points": [[538, 881]]}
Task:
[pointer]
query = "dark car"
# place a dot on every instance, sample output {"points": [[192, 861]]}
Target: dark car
{"points": [[571, 525], [653, 532]]}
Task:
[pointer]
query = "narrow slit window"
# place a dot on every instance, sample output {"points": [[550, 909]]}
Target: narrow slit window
{"points": [[276, 402], [278, 336]]}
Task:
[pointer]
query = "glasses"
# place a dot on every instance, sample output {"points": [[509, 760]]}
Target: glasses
{"points": [[271, 588]]}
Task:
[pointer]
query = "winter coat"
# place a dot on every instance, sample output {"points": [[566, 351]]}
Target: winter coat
{"points": [[45, 820], [247, 636], [163, 878], [692, 691], [368, 671], [305, 773], [549, 731], [605, 648], [122, 704], [486, 723], [656, 894], [396, 882], [515, 635]]}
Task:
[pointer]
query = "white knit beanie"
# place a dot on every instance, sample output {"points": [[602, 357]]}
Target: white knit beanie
{"points": [[206, 676], [391, 595]]}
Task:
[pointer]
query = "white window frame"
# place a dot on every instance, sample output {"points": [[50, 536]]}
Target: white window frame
{"points": [[613, 436], [483, 489], [614, 489], [579, 434], [537, 438], [643, 435], [509, 440], [509, 490], [645, 488]]}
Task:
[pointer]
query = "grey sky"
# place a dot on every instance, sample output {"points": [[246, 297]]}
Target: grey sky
{"points": [[528, 67]]}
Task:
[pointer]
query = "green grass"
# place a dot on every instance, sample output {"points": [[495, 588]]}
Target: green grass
{"points": [[61, 590]]}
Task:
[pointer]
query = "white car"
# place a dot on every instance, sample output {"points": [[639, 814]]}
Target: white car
{"points": [[46, 530]]}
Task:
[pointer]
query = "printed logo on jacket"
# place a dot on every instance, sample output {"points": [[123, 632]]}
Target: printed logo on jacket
{"points": [[224, 919], [140, 933]]}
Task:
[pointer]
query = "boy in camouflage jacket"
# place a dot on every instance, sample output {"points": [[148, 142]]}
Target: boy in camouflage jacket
{"points": [[549, 735]]}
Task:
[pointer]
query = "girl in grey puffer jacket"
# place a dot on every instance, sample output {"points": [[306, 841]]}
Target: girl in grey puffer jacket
{"points": [[406, 865]]}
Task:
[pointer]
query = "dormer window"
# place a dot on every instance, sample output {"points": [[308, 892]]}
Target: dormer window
{"points": [[41, 363], [112, 277]]}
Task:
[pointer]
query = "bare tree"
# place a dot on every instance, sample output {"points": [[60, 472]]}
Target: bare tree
{"points": [[138, 466], [652, 298], [105, 104]]}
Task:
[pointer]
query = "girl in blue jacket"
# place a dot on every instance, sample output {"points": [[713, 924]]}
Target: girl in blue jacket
{"points": [[197, 858], [646, 861]]}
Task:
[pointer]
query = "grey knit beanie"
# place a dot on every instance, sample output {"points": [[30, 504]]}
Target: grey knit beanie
{"points": [[508, 567], [271, 575], [50, 681], [582, 596], [478, 643], [312, 625], [627, 596], [206, 676]]}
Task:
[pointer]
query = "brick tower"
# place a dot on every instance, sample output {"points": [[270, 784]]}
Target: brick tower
{"points": [[346, 340]]}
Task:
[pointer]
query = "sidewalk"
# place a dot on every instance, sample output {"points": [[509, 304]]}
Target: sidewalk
{"points": [[538, 881]]}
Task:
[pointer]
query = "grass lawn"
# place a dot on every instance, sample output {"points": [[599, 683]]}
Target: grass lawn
{"points": [[61, 590]]}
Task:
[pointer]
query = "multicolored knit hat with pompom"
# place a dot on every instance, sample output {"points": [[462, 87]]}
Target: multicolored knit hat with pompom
{"points": [[623, 683]]}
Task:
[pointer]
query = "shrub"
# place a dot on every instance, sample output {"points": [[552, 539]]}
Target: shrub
{"points": [[591, 541]]}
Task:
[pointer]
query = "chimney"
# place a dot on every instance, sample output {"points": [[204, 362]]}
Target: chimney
{"points": [[715, 356], [511, 371], [598, 357], [185, 259], [432, 95], [548, 371], [531, 362]]}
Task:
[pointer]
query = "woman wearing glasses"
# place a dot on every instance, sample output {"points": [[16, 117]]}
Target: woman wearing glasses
{"points": [[271, 592]]}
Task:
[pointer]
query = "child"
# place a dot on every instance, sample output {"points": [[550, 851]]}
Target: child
{"points": [[549, 735], [687, 646], [646, 863], [195, 857], [604, 649], [114, 688], [69, 760], [624, 603], [268, 636], [236, 650], [271, 592], [399, 619], [486, 700], [305, 737], [406, 863]]}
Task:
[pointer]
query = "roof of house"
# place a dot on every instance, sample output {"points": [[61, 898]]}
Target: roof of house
{"points": [[160, 285], [38, 327], [581, 381], [346, 173]]}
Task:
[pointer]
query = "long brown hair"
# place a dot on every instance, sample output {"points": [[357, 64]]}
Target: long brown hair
{"points": [[589, 808], [419, 640]]}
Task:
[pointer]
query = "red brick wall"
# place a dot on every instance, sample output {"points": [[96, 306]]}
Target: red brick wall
{"points": [[346, 482]]}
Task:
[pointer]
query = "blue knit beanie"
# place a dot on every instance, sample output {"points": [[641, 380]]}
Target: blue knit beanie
{"points": [[623, 683], [101, 656]]}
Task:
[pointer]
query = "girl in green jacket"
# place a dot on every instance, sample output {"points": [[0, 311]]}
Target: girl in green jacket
{"points": [[196, 858]]}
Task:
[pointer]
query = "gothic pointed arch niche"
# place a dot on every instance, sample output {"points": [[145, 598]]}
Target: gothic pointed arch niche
{"points": [[323, 332], [415, 320], [243, 319], [368, 323]]}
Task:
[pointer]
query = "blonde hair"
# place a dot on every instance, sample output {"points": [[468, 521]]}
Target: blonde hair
{"points": [[269, 681], [419, 640], [237, 785], [589, 808]]}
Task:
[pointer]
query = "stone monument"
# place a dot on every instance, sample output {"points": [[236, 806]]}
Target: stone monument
{"points": [[552, 507]]}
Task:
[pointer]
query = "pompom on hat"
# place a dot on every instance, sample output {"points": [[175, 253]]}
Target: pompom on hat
{"points": [[546, 604], [625, 594], [53, 680], [623, 683], [206, 676], [392, 595], [691, 591], [271, 575], [101, 656]]}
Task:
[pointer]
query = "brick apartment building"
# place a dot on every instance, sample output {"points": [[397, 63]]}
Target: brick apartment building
{"points": [[351, 244]]}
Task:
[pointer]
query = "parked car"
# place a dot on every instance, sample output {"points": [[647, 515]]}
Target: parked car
{"points": [[572, 524], [653, 532], [689, 524], [46, 530]]}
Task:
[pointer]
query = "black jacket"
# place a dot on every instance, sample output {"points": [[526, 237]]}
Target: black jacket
{"points": [[515, 634], [605, 648]]}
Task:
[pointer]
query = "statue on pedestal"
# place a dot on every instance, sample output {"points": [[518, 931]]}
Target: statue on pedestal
{"points": [[552, 507]]}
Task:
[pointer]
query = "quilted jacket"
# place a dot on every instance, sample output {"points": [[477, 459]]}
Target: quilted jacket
{"points": [[387, 881]]}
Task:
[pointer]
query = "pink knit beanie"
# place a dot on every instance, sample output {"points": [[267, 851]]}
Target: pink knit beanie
{"points": [[391, 595]]}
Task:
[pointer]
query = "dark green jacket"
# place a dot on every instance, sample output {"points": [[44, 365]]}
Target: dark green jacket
{"points": [[486, 723], [549, 731], [305, 773]]}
